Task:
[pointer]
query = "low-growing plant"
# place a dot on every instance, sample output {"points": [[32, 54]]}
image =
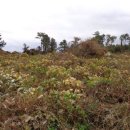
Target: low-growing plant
{"points": [[62, 91]]}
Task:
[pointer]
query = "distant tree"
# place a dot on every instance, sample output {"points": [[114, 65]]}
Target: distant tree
{"points": [[39, 49], [2, 42], [124, 38], [45, 41], [121, 39], [63, 45], [53, 45], [129, 40], [75, 41], [99, 38], [110, 39], [25, 48], [97, 33], [113, 38]]}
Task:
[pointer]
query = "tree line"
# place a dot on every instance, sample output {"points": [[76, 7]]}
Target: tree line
{"points": [[49, 44]]}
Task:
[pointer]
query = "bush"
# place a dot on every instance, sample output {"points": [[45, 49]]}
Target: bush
{"points": [[118, 48], [88, 48]]}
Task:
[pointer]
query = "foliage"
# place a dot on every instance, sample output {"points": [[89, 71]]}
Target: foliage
{"points": [[53, 45], [118, 48], [63, 46], [124, 38], [88, 48], [2, 42], [100, 38], [25, 48], [61, 91], [75, 41], [110, 39], [45, 41]]}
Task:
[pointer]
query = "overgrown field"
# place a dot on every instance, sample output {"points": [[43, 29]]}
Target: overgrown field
{"points": [[64, 92]]}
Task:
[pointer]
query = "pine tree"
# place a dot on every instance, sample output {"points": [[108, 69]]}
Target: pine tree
{"points": [[63, 46]]}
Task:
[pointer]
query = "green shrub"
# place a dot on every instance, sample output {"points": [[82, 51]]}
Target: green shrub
{"points": [[118, 48]]}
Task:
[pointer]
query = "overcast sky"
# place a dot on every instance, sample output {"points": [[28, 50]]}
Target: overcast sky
{"points": [[62, 19]]}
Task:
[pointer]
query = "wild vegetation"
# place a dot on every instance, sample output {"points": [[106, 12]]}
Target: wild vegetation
{"points": [[60, 91], [80, 86]]}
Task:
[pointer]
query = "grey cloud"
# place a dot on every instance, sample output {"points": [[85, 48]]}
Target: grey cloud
{"points": [[66, 19]]}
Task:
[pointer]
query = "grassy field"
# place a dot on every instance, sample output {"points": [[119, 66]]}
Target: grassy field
{"points": [[64, 92]]}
